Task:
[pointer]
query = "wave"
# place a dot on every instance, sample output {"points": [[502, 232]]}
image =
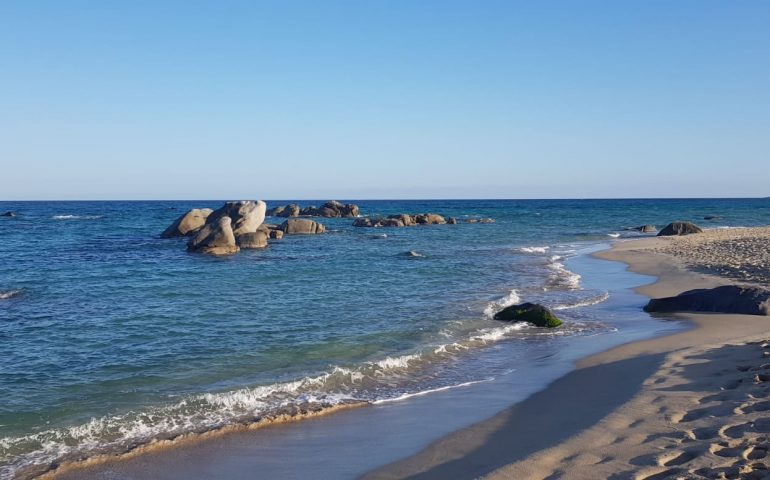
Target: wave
{"points": [[512, 298], [534, 249], [583, 303], [392, 378], [613, 235], [432, 390], [77, 217], [6, 294], [560, 277]]}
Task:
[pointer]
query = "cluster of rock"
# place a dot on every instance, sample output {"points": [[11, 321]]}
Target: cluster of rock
{"points": [[725, 299], [330, 209], [679, 228], [533, 313], [404, 220], [234, 226]]}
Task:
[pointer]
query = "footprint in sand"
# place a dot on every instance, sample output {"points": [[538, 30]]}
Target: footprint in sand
{"points": [[675, 458], [660, 475], [756, 407], [761, 425], [726, 452], [755, 453]]}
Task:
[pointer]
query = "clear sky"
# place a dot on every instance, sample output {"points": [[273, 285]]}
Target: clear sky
{"points": [[384, 99]]}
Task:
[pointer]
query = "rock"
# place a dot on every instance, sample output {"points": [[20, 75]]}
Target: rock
{"points": [[487, 220], [679, 228], [472, 220], [429, 219], [215, 238], [363, 222], [452, 221], [646, 229], [276, 234], [406, 220], [725, 299], [331, 209], [290, 210], [8, 214], [529, 312], [246, 216], [188, 223], [712, 217], [253, 240], [299, 226]]}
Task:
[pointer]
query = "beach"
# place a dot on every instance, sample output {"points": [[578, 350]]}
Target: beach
{"points": [[689, 405]]}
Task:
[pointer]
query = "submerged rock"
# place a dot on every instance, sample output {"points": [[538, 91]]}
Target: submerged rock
{"points": [[529, 312], [400, 220], [679, 228], [712, 217], [215, 238], [188, 223], [299, 226], [725, 299], [8, 214]]}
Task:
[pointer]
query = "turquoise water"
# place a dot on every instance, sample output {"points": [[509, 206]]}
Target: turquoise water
{"points": [[111, 336]]}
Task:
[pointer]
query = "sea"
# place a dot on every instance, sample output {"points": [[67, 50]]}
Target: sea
{"points": [[112, 337]]}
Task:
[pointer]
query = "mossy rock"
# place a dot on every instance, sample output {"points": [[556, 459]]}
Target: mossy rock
{"points": [[529, 312]]}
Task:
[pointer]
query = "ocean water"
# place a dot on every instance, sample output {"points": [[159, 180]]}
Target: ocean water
{"points": [[111, 337]]}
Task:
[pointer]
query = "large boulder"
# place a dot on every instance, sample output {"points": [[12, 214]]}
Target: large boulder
{"points": [[301, 226], [252, 240], [246, 216], [679, 228], [406, 220], [188, 223], [725, 299], [215, 238], [290, 210], [363, 222], [529, 312]]}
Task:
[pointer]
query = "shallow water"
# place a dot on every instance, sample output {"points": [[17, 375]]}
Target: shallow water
{"points": [[111, 336]]}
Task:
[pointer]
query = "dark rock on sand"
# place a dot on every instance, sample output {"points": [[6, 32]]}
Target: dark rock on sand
{"points": [[299, 226], [529, 312], [679, 228], [215, 238], [646, 229], [726, 299], [188, 223]]}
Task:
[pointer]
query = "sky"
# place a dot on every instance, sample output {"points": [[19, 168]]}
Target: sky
{"points": [[384, 99]]}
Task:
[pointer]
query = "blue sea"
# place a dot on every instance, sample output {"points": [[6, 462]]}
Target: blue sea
{"points": [[111, 337]]}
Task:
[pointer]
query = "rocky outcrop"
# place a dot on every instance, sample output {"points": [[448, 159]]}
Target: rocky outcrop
{"points": [[246, 215], [188, 224], [725, 299], [401, 220], [679, 228], [215, 238], [301, 226], [8, 214], [253, 240], [330, 209], [533, 313], [480, 220], [290, 210], [452, 221]]}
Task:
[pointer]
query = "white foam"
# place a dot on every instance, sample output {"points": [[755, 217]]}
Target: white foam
{"points": [[562, 277], [76, 217], [429, 391], [512, 298], [534, 249], [498, 333], [10, 294], [613, 235], [583, 303]]}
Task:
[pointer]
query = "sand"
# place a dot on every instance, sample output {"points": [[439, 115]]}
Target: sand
{"points": [[690, 405]]}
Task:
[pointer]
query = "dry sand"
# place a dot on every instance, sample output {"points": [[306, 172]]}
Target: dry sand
{"points": [[691, 405]]}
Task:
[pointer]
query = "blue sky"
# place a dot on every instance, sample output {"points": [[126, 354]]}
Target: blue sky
{"points": [[384, 99]]}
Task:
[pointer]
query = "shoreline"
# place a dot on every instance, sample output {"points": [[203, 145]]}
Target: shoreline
{"points": [[551, 424], [624, 416]]}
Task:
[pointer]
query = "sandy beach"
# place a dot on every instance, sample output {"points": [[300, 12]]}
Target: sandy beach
{"points": [[689, 405]]}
